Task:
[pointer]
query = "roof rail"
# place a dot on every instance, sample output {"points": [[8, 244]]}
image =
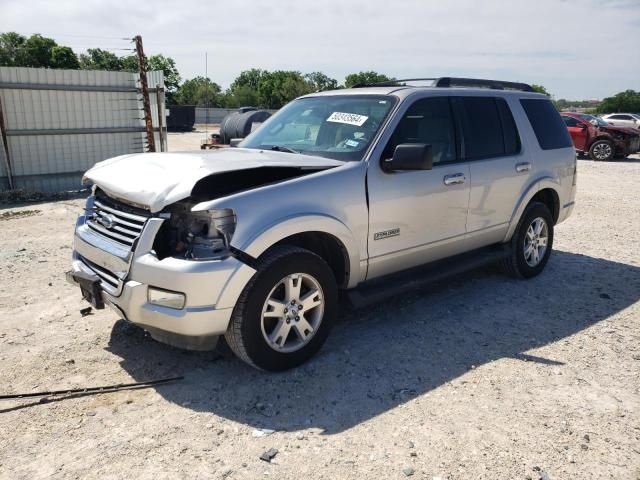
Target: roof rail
{"points": [[447, 82]]}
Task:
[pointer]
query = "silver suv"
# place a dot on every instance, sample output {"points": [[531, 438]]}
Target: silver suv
{"points": [[334, 192]]}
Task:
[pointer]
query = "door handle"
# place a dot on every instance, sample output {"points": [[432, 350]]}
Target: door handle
{"points": [[523, 167], [454, 179]]}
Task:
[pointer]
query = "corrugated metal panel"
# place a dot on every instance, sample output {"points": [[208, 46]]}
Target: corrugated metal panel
{"points": [[54, 161]]}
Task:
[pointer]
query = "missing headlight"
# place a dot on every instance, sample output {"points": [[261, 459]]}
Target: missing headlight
{"points": [[196, 235]]}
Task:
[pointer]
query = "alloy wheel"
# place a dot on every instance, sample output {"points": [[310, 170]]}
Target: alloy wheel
{"points": [[292, 312], [535, 241]]}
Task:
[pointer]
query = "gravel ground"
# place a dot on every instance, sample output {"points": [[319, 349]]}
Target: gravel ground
{"points": [[476, 377]]}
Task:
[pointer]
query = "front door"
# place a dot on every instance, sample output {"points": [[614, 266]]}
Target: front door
{"points": [[578, 130], [417, 216]]}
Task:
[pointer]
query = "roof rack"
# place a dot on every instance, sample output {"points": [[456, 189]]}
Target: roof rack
{"points": [[448, 82]]}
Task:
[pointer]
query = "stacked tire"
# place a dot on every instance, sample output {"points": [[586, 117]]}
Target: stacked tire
{"points": [[241, 123]]}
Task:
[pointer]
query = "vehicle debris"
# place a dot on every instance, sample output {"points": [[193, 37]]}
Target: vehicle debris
{"points": [[269, 455], [85, 311], [93, 390]]}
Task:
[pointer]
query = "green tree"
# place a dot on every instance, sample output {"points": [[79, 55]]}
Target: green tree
{"points": [[627, 101], [280, 87], [199, 91], [242, 96], [249, 78], [360, 78], [540, 89], [37, 51], [168, 66], [321, 82], [98, 59], [12, 49], [155, 63], [64, 57]]}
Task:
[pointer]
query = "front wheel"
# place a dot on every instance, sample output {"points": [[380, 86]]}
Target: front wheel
{"points": [[601, 150], [531, 243], [284, 314]]}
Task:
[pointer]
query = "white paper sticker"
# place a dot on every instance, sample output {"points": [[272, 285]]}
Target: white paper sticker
{"points": [[351, 143], [348, 118]]}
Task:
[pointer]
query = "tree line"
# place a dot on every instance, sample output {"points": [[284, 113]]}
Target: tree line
{"points": [[254, 87]]}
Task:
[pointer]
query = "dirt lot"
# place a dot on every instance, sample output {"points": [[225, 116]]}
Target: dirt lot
{"points": [[476, 377]]}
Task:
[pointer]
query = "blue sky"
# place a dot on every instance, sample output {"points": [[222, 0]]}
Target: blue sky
{"points": [[576, 48]]}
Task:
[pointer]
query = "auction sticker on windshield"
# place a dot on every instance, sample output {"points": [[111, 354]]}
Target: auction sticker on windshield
{"points": [[348, 118]]}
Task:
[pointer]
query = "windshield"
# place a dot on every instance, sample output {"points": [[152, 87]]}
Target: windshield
{"points": [[340, 127], [595, 120]]}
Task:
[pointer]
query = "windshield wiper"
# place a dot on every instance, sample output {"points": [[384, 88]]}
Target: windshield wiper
{"points": [[282, 148]]}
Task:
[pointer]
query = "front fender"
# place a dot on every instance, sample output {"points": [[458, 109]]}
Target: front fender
{"points": [[286, 227], [535, 187]]}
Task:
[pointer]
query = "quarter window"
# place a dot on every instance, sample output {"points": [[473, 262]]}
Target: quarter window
{"points": [[429, 121], [547, 124]]}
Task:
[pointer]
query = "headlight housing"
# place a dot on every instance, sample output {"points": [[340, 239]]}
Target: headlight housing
{"points": [[202, 235]]}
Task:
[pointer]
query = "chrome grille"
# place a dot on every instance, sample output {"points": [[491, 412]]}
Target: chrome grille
{"points": [[116, 221]]}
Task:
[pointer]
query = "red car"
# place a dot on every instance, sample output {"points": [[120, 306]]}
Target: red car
{"points": [[601, 141]]}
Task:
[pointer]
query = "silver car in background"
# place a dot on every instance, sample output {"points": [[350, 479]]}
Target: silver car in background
{"points": [[628, 120], [338, 191]]}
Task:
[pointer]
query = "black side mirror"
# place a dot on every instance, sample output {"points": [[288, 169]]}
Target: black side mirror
{"points": [[409, 156]]}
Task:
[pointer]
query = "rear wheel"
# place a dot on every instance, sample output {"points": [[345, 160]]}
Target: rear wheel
{"points": [[531, 243], [601, 150], [284, 314]]}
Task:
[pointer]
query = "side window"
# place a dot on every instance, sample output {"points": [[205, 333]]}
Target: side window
{"points": [[545, 120], [482, 127], [430, 121], [509, 129], [570, 122]]}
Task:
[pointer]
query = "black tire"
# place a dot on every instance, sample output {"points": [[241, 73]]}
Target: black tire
{"points": [[601, 150], [244, 334], [515, 265]]}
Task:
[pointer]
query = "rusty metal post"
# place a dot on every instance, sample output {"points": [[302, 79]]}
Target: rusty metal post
{"points": [[145, 94], [5, 143], [160, 90]]}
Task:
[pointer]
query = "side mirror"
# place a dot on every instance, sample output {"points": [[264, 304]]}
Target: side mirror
{"points": [[235, 141], [409, 156]]}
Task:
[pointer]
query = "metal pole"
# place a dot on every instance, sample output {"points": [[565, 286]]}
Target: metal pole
{"points": [[206, 95], [7, 158], [160, 111], [145, 94]]}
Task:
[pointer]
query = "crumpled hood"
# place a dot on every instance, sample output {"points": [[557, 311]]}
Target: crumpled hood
{"points": [[613, 128], [155, 180]]}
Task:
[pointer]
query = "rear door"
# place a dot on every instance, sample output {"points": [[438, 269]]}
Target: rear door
{"points": [[579, 132], [500, 169]]}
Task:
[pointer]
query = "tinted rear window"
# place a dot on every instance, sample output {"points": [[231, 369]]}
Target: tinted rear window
{"points": [[482, 127], [549, 128]]}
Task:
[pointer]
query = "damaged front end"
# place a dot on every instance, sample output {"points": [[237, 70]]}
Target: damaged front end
{"points": [[195, 235]]}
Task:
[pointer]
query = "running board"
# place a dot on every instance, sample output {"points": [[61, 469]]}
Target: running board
{"points": [[383, 288]]}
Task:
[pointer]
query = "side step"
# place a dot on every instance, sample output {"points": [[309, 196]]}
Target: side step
{"points": [[383, 288]]}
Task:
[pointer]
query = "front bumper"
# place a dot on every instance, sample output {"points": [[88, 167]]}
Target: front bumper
{"points": [[211, 287]]}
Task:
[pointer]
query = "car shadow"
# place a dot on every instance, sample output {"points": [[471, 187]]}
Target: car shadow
{"points": [[388, 354]]}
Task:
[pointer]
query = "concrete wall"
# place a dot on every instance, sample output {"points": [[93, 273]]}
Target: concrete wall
{"points": [[59, 123]]}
